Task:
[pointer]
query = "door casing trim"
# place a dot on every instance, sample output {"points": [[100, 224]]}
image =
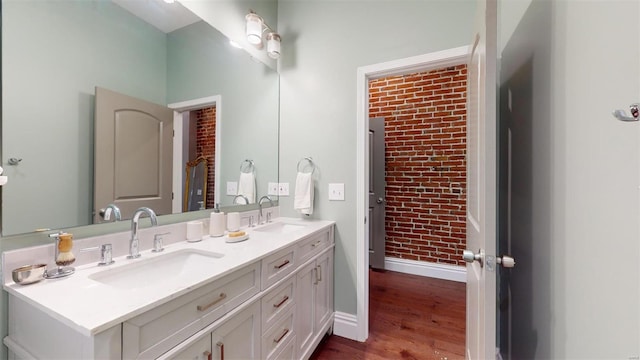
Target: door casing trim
{"points": [[178, 108], [435, 60]]}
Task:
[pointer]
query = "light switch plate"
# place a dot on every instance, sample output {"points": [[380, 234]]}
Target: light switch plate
{"points": [[232, 188], [336, 192]]}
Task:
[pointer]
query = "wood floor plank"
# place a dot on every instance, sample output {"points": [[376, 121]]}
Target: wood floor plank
{"points": [[410, 317]]}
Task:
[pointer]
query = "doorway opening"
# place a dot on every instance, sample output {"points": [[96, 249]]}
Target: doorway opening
{"points": [[413, 65], [197, 132], [424, 119]]}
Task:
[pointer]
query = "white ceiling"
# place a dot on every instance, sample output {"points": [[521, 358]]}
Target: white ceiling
{"points": [[166, 17]]}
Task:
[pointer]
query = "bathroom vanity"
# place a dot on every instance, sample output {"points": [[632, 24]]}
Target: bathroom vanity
{"points": [[269, 297]]}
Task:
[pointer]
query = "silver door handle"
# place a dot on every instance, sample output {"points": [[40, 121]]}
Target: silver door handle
{"points": [[380, 200], [469, 256], [622, 116]]}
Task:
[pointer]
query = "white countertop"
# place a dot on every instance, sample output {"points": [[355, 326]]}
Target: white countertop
{"points": [[90, 307]]}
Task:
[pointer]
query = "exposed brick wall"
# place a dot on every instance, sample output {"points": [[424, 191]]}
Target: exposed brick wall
{"points": [[425, 138], [206, 146]]}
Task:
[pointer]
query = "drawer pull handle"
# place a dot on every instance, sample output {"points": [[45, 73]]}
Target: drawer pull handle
{"points": [[284, 299], [284, 333], [316, 243], [281, 265], [220, 344], [319, 272], [316, 275], [208, 355], [205, 307]]}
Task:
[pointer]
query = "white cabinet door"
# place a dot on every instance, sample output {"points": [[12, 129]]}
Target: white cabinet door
{"points": [[314, 301], [305, 306], [200, 350], [239, 337], [323, 290]]}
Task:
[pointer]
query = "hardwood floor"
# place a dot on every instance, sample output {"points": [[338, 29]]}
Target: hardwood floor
{"points": [[410, 317]]}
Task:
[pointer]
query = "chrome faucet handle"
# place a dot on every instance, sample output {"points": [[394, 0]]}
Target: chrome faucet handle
{"points": [[106, 253], [251, 224], [269, 216], [157, 242]]}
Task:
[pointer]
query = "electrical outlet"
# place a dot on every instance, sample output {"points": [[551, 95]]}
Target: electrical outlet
{"points": [[272, 189], [336, 192], [232, 188], [283, 189]]}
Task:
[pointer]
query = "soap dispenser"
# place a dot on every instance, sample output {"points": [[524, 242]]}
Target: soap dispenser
{"points": [[217, 223]]}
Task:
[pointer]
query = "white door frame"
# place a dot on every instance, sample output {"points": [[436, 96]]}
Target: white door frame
{"points": [[178, 108], [431, 61]]}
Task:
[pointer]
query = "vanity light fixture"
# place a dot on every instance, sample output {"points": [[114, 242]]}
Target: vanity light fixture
{"points": [[255, 28]]}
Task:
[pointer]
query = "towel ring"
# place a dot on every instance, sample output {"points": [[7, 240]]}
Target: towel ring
{"points": [[247, 166], [310, 163]]}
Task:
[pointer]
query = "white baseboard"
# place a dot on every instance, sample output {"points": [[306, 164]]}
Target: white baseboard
{"points": [[434, 270], [345, 325]]}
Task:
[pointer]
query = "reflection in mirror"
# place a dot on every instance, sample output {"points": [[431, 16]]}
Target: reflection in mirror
{"points": [[54, 53], [246, 183], [195, 193]]}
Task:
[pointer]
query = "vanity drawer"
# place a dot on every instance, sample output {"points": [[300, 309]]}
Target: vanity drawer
{"points": [[312, 246], [158, 330], [275, 338], [277, 302], [277, 266], [288, 351]]}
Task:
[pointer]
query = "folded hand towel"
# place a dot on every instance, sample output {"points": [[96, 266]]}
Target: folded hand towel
{"points": [[303, 200], [247, 186]]}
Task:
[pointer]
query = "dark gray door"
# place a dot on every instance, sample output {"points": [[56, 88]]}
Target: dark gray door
{"points": [[524, 128], [377, 232]]}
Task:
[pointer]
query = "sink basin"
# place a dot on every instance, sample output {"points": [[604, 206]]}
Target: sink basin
{"points": [[172, 269], [280, 228]]}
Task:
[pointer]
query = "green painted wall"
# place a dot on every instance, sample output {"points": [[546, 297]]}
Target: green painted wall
{"points": [[324, 42]]}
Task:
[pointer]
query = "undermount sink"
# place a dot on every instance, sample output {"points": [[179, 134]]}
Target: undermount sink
{"points": [[176, 268], [280, 228]]}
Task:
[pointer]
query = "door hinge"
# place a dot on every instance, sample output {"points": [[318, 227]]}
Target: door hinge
{"points": [[171, 196]]}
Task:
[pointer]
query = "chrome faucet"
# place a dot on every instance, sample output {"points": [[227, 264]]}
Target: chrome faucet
{"points": [[246, 201], [134, 251], [111, 208], [260, 208]]}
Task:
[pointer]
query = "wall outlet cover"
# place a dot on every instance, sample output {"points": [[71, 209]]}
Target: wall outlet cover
{"points": [[283, 189], [272, 188]]}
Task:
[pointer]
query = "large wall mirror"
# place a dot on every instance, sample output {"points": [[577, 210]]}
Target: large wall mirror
{"points": [[54, 55]]}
